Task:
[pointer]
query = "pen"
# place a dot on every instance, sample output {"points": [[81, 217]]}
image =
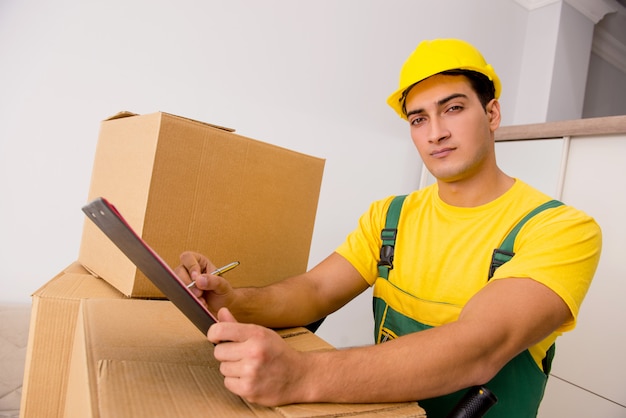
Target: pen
{"points": [[218, 272]]}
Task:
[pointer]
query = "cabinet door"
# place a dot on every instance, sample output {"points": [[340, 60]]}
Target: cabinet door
{"points": [[592, 355], [563, 399]]}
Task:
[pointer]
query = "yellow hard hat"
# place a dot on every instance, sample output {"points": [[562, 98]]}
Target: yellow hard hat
{"points": [[436, 56]]}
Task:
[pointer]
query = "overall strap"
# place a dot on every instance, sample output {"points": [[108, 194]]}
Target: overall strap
{"points": [[388, 236], [505, 252]]}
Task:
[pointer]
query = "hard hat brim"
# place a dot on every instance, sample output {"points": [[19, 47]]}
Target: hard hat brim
{"points": [[394, 100]]}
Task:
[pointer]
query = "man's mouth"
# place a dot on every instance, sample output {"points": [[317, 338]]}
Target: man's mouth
{"points": [[442, 152]]}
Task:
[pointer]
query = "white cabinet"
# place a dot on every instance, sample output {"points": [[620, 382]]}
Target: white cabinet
{"points": [[589, 372], [536, 162], [593, 356], [563, 399]]}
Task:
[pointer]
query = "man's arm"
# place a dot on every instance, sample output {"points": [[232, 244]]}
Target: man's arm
{"points": [[502, 320], [295, 301], [302, 299]]}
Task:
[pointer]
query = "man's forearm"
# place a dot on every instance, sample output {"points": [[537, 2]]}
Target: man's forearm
{"points": [[283, 304], [410, 368], [470, 351], [300, 300]]}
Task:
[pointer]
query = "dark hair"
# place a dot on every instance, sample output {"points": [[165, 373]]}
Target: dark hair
{"points": [[482, 86]]}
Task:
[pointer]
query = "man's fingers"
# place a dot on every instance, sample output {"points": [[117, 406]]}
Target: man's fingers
{"points": [[224, 315], [191, 267], [183, 274], [195, 262], [215, 284], [232, 334]]}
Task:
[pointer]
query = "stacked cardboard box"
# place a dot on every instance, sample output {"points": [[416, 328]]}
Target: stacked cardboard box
{"points": [[97, 348], [140, 358], [51, 334], [186, 185]]}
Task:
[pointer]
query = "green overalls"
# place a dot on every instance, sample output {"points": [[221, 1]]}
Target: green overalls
{"points": [[519, 386]]}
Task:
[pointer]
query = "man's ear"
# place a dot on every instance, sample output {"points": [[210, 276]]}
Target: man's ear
{"points": [[493, 113]]}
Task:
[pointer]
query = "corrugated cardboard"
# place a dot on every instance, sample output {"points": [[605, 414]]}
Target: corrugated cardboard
{"points": [[50, 340], [143, 358], [186, 185]]}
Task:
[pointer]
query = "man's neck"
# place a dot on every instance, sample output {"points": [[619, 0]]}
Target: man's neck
{"points": [[475, 191]]}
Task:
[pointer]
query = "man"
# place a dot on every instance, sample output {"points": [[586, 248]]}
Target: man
{"points": [[442, 323]]}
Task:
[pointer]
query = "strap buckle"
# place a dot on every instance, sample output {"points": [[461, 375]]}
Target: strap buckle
{"points": [[388, 236], [498, 258]]}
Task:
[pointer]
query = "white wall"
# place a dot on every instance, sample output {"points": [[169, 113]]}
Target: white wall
{"points": [[310, 76], [606, 89]]}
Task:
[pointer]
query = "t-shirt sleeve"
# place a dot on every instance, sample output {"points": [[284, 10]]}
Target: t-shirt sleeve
{"points": [[362, 246], [559, 248]]}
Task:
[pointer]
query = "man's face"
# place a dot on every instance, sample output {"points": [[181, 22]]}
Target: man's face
{"points": [[450, 129]]}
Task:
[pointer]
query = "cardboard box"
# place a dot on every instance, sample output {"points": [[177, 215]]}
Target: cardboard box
{"points": [[143, 358], [186, 185], [50, 339]]}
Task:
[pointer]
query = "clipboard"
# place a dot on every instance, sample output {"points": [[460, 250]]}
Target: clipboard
{"points": [[115, 227]]}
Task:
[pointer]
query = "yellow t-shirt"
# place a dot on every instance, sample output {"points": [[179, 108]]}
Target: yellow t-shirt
{"points": [[443, 253]]}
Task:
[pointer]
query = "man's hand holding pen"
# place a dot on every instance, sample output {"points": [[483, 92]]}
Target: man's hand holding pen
{"points": [[204, 280], [218, 272]]}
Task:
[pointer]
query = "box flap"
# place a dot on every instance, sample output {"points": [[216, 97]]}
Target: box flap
{"points": [[223, 128], [126, 114], [373, 410], [121, 114]]}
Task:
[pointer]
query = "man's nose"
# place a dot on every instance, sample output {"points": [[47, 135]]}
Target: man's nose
{"points": [[438, 130]]}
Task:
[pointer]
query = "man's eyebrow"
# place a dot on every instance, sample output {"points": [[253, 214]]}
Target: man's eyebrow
{"points": [[440, 102]]}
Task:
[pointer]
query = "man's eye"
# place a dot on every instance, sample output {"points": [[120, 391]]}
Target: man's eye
{"points": [[417, 121], [455, 108]]}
